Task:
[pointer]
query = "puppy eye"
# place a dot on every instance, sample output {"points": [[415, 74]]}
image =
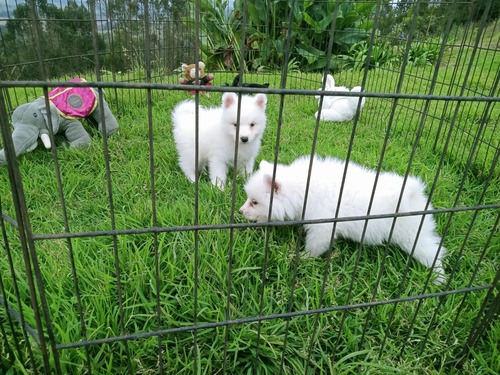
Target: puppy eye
{"points": [[254, 202], [252, 124], [235, 124]]}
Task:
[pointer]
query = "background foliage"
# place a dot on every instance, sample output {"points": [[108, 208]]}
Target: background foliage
{"points": [[121, 34]]}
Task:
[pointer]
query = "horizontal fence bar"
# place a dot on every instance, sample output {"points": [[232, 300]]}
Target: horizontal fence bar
{"points": [[268, 317], [17, 317], [167, 86], [10, 220], [255, 225]]}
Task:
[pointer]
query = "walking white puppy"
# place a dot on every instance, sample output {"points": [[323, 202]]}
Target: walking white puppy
{"points": [[324, 189], [217, 135]]}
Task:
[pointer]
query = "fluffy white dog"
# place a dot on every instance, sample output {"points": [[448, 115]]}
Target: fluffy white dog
{"points": [[338, 108], [217, 135], [326, 179]]}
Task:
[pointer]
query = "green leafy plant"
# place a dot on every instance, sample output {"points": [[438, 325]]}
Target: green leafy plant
{"points": [[267, 28], [382, 54], [219, 35], [423, 53]]}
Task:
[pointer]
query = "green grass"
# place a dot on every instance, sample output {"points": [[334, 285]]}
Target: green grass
{"points": [[87, 203]]}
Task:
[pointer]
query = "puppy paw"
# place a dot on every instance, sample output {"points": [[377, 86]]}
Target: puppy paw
{"points": [[308, 255], [438, 277], [219, 184]]}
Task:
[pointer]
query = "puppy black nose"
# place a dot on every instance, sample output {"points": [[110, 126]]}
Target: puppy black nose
{"points": [[244, 139], [241, 211]]}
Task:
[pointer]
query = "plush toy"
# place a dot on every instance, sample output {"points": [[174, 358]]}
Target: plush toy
{"points": [[190, 74], [67, 106]]}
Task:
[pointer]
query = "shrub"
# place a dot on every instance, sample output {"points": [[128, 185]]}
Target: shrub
{"points": [[382, 54], [267, 31], [423, 53]]}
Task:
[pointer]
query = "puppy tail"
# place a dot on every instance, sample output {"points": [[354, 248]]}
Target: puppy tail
{"points": [[363, 99], [415, 193], [428, 247], [183, 113], [184, 107]]}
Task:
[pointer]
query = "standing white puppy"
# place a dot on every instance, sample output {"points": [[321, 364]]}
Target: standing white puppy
{"points": [[324, 189], [217, 135]]}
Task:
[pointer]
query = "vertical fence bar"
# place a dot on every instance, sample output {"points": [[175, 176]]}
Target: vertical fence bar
{"points": [[50, 127], [108, 179], [422, 121], [440, 164], [233, 192], [25, 232], [284, 77], [462, 302], [459, 255], [16, 292], [5, 304], [391, 119], [147, 57], [197, 11], [271, 198], [464, 177], [483, 319], [19, 204]]}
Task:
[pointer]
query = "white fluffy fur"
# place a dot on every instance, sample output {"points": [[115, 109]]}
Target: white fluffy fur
{"points": [[338, 108], [324, 189], [217, 135]]}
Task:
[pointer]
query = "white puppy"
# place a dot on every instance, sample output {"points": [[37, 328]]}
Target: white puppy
{"points": [[217, 135], [326, 179], [338, 108]]}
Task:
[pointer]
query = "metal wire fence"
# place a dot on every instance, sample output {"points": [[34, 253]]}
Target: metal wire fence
{"points": [[145, 273]]}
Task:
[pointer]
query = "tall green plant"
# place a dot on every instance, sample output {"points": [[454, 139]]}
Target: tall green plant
{"points": [[310, 28], [382, 54], [421, 53], [268, 22], [219, 33]]}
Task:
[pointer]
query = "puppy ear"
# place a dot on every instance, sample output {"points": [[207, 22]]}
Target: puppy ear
{"points": [[261, 100], [263, 163], [266, 166], [269, 183], [330, 82], [228, 99]]}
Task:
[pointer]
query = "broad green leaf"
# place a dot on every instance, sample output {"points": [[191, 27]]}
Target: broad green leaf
{"points": [[350, 36], [325, 22], [308, 19], [366, 25], [365, 8], [310, 53], [253, 13], [317, 65]]}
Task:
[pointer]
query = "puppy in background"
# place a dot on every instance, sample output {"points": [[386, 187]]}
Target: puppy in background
{"points": [[324, 189], [338, 108], [217, 135]]}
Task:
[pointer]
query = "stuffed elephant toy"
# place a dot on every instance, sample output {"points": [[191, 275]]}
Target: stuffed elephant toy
{"points": [[67, 106]]}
